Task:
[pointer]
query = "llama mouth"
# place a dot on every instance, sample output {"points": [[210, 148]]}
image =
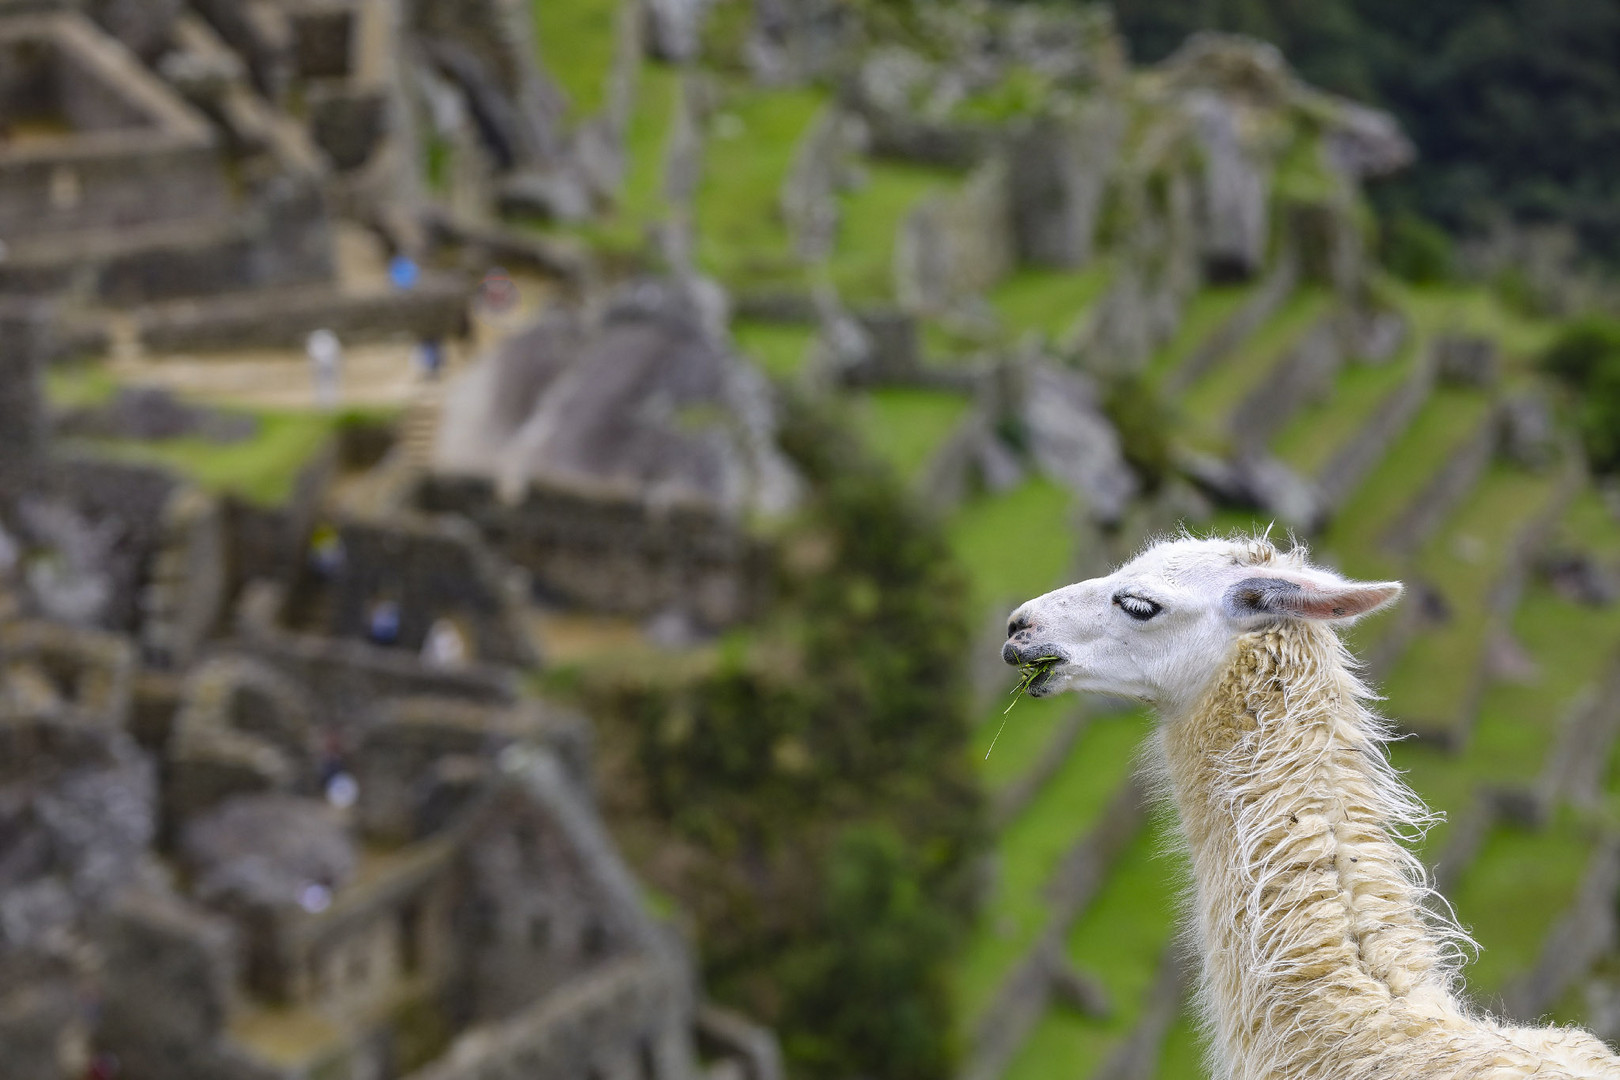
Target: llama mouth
{"points": [[1038, 674], [1041, 683]]}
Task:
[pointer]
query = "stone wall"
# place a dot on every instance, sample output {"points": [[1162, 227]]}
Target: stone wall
{"points": [[128, 499], [953, 247], [1059, 168], [24, 342], [615, 556], [126, 129], [431, 571], [185, 591], [435, 309], [346, 678], [1025, 993]]}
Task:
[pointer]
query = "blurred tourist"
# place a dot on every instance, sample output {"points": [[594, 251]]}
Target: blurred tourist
{"points": [[326, 367]]}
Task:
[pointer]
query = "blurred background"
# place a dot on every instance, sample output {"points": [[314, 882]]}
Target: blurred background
{"points": [[508, 511]]}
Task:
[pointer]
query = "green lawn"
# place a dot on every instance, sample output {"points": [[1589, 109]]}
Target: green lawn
{"points": [[1449, 419], [577, 42], [1513, 893], [72, 386], [862, 264], [1048, 302], [906, 426], [1008, 742], [780, 349], [1472, 309], [1118, 940], [262, 469], [1029, 850], [1208, 403], [1206, 313], [1573, 646], [1321, 429], [1464, 562], [1182, 1056], [658, 94], [741, 237], [1015, 545]]}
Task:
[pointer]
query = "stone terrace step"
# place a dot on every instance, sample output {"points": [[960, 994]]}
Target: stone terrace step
{"points": [[1031, 850], [1450, 424], [1216, 322], [1337, 442], [1121, 938], [1477, 567], [1212, 404]]}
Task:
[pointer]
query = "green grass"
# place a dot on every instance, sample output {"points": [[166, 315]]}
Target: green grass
{"points": [[1118, 940], [906, 426], [1324, 427], [780, 349], [1206, 313], [1182, 1056], [1209, 402], [577, 43], [1029, 850], [1513, 893], [1464, 562], [658, 92], [862, 264], [1589, 526], [1303, 174], [1015, 545], [741, 237], [73, 386], [1472, 309], [1518, 724], [1048, 302], [262, 469], [1019, 736]]}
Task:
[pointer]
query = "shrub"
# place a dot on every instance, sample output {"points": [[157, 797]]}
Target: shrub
{"points": [[807, 795], [1416, 250], [1585, 357]]}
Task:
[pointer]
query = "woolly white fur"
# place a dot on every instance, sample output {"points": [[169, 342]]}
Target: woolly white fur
{"points": [[1327, 955]]}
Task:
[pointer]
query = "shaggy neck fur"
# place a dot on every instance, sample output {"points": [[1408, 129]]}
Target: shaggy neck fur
{"points": [[1321, 959]]}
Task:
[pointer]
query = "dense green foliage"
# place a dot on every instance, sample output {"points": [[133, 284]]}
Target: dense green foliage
{"points": [[1586, 358], [1514, 104], [815, 780]]}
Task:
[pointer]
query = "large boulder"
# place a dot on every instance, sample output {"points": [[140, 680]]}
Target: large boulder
{"points": [[1237, 189], [1072, 442], [675, 28], [1060, 167], [648, 404], [270, 851]]}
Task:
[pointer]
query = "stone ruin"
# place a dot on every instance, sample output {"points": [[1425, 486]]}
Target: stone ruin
{"points": [[256, 830]]}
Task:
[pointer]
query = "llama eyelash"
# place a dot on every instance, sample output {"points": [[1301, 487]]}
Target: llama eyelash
{"points": [[1137, 607]]}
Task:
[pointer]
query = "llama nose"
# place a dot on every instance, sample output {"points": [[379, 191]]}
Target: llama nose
{"points": [[1018, 647]]}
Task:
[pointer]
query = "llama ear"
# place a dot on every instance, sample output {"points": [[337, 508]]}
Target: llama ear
{"points": [[1299, 598]]}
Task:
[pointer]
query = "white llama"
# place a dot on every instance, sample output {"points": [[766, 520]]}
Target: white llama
{"points": [[1321, 958]]}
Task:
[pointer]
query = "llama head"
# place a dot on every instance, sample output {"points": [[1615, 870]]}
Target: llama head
{"points": [[1160, 627]]}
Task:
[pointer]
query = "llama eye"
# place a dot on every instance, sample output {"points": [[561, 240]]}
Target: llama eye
{"points": [[1139, 608]]}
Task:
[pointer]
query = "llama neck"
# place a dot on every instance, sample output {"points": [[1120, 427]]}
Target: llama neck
{"points": [[1309, 912]]}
